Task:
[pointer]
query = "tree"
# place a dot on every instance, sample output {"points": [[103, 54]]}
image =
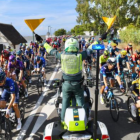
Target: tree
{"points": [[78, 30], [92, 11], [60, 32]]}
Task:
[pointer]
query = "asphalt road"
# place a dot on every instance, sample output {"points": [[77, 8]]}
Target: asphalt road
{"points": [[40, 111]]}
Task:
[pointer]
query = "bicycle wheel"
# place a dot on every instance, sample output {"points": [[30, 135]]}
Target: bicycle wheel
{"points": [[22, 109], [114, 109], [131, 101], [39, 86], [8, 133]]}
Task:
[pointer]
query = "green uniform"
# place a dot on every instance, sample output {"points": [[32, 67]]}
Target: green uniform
{"points": [[71, 64], [103, 60]]}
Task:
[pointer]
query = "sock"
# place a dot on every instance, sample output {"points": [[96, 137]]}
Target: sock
{"points": [[18, 120]]}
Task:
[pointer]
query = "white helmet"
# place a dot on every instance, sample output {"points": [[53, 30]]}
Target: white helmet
{"points": [[27, 47], [71, 42]]}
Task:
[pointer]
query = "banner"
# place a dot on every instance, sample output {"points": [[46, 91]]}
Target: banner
{"points": [[109, 21], [33, 23]]}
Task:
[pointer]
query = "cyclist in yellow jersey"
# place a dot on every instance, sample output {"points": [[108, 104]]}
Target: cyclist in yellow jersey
{"points": [[103, 58], [136, 92]]}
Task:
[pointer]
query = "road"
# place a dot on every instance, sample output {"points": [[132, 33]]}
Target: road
{"points": [[40, 111]]}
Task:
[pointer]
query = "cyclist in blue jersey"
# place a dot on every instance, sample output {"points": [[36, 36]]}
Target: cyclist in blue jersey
{"points": [[10, 91], [29, 53], [107, 74], [42, 51], [39, 65], [121, 59], [114, 50]]}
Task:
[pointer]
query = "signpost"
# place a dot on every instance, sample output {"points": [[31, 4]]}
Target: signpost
{"points": [[97, 47], [33, 24]]}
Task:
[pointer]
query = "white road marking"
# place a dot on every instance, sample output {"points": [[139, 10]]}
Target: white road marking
{"points": [[42, 117], [26, 125]]}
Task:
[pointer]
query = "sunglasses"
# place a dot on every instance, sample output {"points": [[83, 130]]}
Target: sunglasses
{"points": [[13, 60], [124, 55]]}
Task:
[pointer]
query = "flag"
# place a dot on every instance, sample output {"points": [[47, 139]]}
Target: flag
{"points": [[109, 21], [33, 23]]}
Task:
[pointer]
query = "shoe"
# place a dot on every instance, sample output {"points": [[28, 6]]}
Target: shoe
{"points": [[30, 81], [19, 126], [64, 125], [133, 110], [45, 84], [101, 99]]}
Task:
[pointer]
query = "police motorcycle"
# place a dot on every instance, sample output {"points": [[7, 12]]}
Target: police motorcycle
{"points": [[77, 126]]}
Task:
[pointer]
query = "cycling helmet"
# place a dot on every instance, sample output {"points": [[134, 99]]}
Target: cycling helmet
{"points": [[41, 45], [27, 47], [11, 58], [130, 44], [111, 60], [123, 52], [38, 58], [19, 53], [113, 44], [106, 53], [2, 76], [71, 42]]}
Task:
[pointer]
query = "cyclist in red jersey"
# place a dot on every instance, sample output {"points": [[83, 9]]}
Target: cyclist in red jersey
{"points": [[129, 49]]}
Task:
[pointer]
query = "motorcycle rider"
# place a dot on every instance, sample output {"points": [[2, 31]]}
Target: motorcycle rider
{"points": [[71, 64]]}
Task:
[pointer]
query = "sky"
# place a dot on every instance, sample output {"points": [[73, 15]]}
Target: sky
{"points": [[57, 13]]}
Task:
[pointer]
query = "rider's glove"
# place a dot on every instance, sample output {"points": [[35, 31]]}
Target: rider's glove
{"points": [[106, 88], [8, 111], [121, 87]]}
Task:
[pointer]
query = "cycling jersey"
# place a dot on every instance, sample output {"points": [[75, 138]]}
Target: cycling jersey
{"points": [[135, 57], [103, 60], [41, 64], [108, 73], [136, 86], [10, 87], [128, 48], [121, 60], [18, 65], [29, 53], [42, 51], [112, 51]]}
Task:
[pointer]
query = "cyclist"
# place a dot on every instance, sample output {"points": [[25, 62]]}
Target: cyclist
{"points": [[106, 74], [109, 45], [103, 58], [136, 92], [39, 65], [120, 61], [129, 49], [113, 50], [10, 91], [83, 42], [29, 54], [42, 51], [16, 70], [10, 50]]}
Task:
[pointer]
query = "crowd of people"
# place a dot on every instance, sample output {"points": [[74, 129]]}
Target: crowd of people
{"points": [[33, 58]]}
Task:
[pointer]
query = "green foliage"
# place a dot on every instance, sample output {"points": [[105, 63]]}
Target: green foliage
{"points": [[130, 34], [60, 32], [90, 13], [78, 30]]}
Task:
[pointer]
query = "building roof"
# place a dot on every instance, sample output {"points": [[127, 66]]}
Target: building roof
{"points": [[11, 34]]}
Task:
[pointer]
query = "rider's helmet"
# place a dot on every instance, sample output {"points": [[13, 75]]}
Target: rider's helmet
{"points": [[12, 58], [130, 44], [123, 52], [71, 43], [113, 44], [27, 47], [111, 60], [38, 58], [2, 76], [106, 53], [19, 52]]}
